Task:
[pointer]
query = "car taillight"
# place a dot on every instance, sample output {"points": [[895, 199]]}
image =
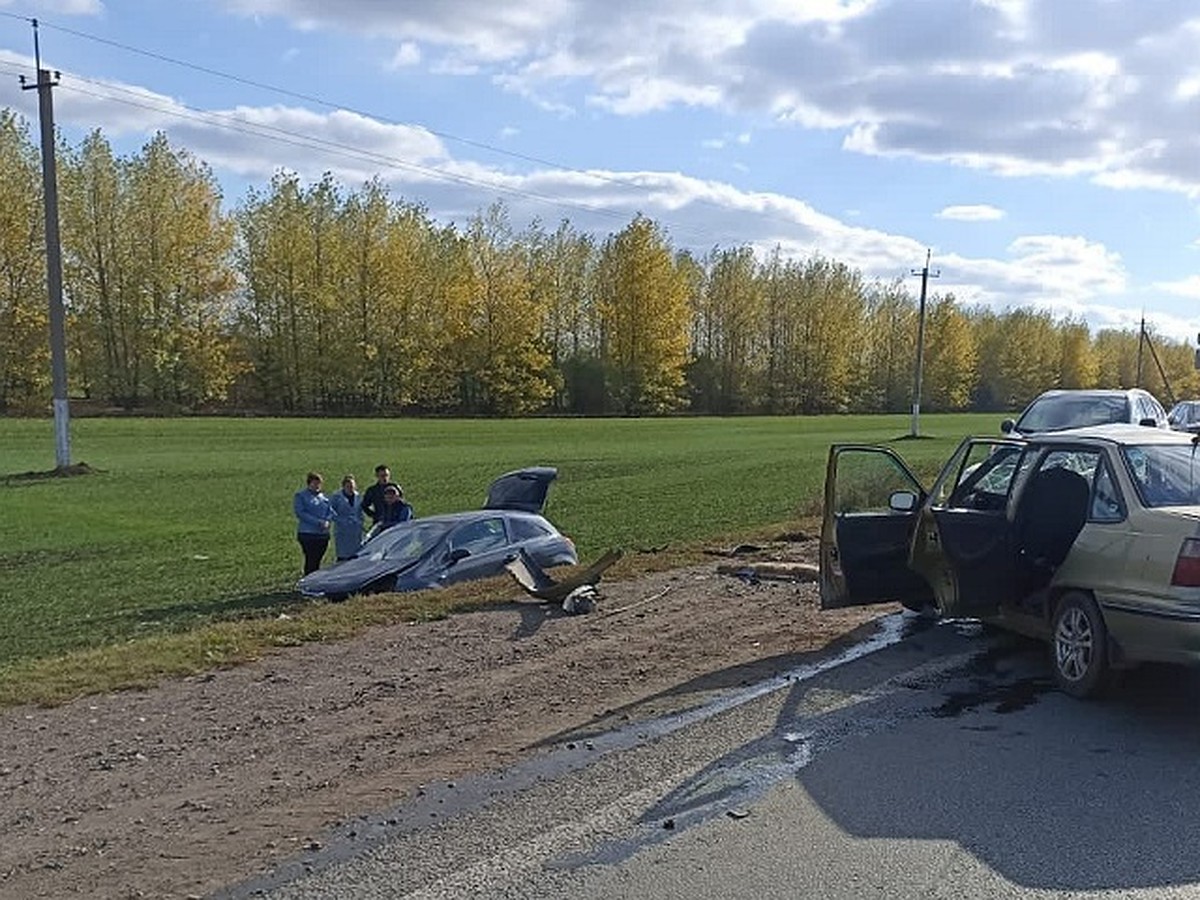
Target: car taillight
{"points": [[1187, 564]]}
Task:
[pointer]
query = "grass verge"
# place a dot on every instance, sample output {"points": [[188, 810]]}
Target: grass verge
{"points": [[142, 663]]}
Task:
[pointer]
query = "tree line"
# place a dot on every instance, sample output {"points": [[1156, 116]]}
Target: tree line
{"points": [[315, 298]]}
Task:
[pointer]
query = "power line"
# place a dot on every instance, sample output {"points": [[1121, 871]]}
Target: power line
{"points": [[329, 104], [284, 136], [367, 114]]}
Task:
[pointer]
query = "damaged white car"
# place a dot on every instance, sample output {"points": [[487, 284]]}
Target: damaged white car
{"points": [[1088, 539]]}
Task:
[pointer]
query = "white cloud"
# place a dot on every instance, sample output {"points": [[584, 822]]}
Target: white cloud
{"points": [[1068, 274], [63, 7], [407, 54], [1091, 88], [979, 212], [509, 131], [1186, 287]]}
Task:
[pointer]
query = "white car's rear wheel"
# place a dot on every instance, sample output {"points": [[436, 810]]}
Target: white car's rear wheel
{"points": [[1079, 646]]}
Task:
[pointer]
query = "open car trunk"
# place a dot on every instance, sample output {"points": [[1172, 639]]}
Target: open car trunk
{"points": [[524, 489]]}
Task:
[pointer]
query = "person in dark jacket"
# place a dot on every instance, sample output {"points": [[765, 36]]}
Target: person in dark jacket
{"points": [[313, 515], [394, 510], [372, 500]]}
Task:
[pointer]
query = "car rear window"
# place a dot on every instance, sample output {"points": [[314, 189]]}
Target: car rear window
{"points": [[1165, 474], [527, 529]]}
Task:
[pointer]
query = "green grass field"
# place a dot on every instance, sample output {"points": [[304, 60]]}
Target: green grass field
{"points": [[189, 520]]}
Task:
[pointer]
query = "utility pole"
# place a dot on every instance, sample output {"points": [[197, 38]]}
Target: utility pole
{"points": [[917, 373], [58, 337], [1141, 346]]}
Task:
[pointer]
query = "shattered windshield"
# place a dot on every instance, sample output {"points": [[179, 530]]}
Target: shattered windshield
{"points": [[405, 541], [1073, 411], [1165, 474]]}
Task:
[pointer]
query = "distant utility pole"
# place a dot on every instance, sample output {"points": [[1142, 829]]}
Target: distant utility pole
{"points": [[1141, 345], [58, 338], [917, 372]]}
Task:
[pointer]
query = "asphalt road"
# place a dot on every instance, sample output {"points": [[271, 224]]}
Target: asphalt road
{"points": [[935, 762]]}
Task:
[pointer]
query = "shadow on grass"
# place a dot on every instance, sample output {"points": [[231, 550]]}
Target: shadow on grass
{"points": [[911, 437], [72, 471], [225, 609]]}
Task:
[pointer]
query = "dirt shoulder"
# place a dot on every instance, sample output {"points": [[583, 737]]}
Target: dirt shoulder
{"points": [[203, 782]]}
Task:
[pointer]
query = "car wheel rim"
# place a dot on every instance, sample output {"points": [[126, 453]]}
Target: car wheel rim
{"points": [[1073, 645]]}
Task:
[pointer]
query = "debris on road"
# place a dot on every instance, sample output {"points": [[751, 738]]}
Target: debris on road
{"points": [[772, 571], [533, 578]]}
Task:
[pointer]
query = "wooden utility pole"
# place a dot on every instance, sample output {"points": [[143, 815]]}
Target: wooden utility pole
{"points": [[917, 372], [58, 331]]}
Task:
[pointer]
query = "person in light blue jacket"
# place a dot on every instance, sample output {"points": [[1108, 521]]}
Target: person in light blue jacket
{"points": [[347, 519], [313, 515]]}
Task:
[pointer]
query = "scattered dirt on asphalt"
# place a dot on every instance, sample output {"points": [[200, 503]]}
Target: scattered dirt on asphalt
{"points": [[204, 782]]}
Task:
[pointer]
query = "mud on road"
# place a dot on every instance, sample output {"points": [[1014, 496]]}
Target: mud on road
{"points": [[204, 782]]}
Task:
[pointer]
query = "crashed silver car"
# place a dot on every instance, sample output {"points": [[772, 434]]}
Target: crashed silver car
{"points": [[434, 551], [1088, 539]]}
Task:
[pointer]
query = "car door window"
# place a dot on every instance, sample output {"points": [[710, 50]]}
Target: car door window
{"points": [[1106, 498], [1144, 410], [983, 478], [480, 536], [866, 482], [1105, 504]]}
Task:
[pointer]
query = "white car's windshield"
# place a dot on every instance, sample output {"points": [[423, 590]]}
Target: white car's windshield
{"points": [[1165, 474], [1072, 411]]}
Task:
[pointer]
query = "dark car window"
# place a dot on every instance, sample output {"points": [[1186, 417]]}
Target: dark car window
{"points": [[527, 529], [479, 536], [1183, 414]]}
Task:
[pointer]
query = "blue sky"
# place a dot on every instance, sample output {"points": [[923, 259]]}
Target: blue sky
{"points": [[1047, 151]]}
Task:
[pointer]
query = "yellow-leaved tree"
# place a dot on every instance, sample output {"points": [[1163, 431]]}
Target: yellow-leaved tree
{"points": [[642, 304], [24, 336]]}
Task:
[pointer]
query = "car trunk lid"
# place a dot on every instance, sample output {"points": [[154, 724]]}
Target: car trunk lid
{"points": [[524, 489]]}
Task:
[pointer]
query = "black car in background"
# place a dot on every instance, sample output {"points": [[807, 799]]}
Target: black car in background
{"points": [[1185, 416]]}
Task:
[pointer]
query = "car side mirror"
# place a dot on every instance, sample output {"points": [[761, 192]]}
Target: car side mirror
{"points": [[456, 554], [902, 501], [1149, 422], [1007, 426]]}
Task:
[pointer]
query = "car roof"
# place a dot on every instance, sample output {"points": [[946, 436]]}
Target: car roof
{"points": [[1115, 432], [473, 514], [1090, 392]]}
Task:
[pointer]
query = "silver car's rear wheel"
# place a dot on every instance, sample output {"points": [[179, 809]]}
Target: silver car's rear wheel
{"points": [[1079, 647]]}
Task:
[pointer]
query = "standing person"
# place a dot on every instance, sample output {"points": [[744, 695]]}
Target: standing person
{"points": [[372, 501], [395, 509], [347, 519], [313, 514]]}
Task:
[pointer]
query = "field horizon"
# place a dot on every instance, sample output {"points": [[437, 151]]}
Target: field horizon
{"points": [[187, 522]]}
